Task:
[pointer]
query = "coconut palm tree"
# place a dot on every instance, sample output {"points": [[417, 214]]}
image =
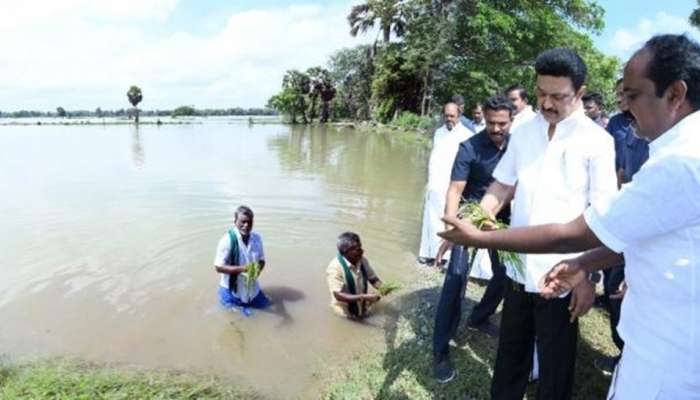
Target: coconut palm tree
{"points": [[389, 13], [135, 96]]}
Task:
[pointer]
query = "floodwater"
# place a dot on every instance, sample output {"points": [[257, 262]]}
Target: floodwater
{"points": [[107, 239]]}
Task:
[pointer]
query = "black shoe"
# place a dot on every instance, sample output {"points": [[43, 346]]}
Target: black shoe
{"points": [[486, 327], [606, 365], [443, 371], [425, 260]]}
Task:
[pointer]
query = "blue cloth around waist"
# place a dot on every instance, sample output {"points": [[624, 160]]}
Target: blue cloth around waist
{"points": [[227, 299]]}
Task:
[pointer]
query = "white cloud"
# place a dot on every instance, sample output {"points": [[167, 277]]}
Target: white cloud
{"points": [[71, 48], [625, 41]]}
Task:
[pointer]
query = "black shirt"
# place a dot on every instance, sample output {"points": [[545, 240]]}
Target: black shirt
{"points": [[475, 161]]}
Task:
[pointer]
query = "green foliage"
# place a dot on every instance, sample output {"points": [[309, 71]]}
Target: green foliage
{"points": [[389, 13], [352, 71], [134, 95], [475, 48], [183, 111], [409, 120], [63, 380], [694, 17]]}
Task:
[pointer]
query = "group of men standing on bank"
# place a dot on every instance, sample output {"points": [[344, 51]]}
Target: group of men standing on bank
{"points": [[560, 174]]}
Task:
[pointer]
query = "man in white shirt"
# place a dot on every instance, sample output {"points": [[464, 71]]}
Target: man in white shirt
{"points": [[237, 250], [445, 145], [557, 164], [654, 221], [517, 94]]}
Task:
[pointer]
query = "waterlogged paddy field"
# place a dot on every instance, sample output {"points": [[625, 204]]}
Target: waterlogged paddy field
{"points": [[107, 238]]}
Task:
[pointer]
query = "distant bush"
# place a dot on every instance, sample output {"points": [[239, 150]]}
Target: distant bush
{"points": [[183, 111], [409, 120]]}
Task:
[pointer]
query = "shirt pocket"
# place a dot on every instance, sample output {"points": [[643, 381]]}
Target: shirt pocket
{"points": [[574, 169]]}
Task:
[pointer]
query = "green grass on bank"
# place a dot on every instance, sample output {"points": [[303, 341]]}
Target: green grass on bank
{"points": [[66, 380], [404, 370]]}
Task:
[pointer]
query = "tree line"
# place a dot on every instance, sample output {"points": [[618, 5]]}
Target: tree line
{"points": [[426, 51], [123, 112], [134, 95]]}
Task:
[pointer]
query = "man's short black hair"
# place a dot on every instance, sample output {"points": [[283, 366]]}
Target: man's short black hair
{"points": [[522, 92], [457, 99], [618, 82], [561, 62], [346, 240], [674, 58], [499, 103], [243, 210], [595, 97]]}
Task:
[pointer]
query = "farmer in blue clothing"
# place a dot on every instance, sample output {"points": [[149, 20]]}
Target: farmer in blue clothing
{"points": [[236, 251]]}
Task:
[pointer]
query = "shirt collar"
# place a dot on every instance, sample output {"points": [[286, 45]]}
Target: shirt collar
{"points": [[681, 128], [564, 127]]}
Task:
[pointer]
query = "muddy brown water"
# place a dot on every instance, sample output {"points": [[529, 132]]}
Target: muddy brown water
{"points": [[107, 239]]}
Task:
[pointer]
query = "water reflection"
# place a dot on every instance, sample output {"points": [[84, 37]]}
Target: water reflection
{"points": [[370, 182], [137, 153]]}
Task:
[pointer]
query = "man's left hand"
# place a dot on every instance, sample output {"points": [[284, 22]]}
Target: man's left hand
{"points": [[463, 232], [582, 298]]}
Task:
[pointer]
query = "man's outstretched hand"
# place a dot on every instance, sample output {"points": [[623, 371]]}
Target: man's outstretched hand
{"points": [[463, 232], [563, 277]]}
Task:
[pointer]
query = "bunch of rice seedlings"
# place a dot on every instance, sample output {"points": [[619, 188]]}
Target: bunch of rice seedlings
{"points": [[251, 276], [473, 212], [388, 287]]}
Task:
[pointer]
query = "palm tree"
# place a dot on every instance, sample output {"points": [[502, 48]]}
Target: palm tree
{"points": [[390, 14], [321, 87], [135, 96]]}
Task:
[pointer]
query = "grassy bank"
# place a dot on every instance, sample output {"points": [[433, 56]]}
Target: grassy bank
{"points": [[59, 380], [402, 134], [404, 369]]}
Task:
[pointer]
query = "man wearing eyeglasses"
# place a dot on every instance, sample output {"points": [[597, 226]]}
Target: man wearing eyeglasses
{"points": [[558, 164]]}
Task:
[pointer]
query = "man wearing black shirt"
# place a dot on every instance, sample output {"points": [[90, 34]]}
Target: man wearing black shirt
{"points": [[471, 176]]}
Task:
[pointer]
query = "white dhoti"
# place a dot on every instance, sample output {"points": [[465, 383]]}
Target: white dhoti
{"points": [[445, 145], [433, 211]]}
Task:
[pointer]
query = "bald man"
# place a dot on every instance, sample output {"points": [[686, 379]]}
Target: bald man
{"points": [[445, 145]]}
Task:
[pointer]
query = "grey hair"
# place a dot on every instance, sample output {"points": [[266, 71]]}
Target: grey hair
{"points": [[346, 240]]}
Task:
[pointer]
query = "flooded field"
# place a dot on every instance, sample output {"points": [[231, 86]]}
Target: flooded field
{"points": [[107, 239]]}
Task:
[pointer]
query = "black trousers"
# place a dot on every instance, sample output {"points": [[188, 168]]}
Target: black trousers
{"points": [[615, 277], [526, 316], [449, 309]]}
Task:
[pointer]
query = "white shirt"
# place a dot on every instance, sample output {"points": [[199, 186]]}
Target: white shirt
{"points": [[248, 254], [445, 146], [556, 180], [521, 117], [655, 221], [479, 126]]}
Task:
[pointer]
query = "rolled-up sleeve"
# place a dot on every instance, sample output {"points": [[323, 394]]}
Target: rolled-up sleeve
{"points": [[664, 196], [506, 171], [463, 160], [334, 277], [602, 175], [222, 250]]}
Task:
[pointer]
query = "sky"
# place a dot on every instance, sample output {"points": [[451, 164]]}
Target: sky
{"points": [[84, 54]]}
